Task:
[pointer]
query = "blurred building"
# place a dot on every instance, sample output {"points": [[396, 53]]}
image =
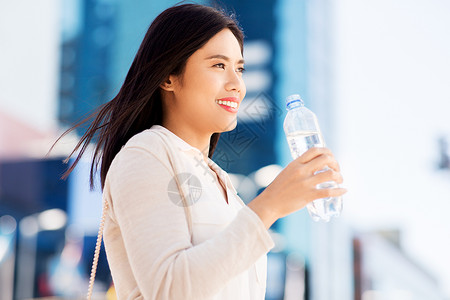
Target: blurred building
{"points": [[87, 42], [383, 271]]}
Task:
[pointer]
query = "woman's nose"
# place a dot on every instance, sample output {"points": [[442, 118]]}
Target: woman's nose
{"points": [[234, 81]]}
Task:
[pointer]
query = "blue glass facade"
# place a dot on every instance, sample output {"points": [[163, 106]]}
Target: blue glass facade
{"points": [[86, 60], [251, 145], [28, 187]]}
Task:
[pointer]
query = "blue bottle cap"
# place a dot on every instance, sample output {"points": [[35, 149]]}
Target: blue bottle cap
{"points": [[294, 98]]}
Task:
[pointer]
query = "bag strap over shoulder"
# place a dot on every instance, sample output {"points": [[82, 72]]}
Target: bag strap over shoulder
{"points": [[97, 250]]}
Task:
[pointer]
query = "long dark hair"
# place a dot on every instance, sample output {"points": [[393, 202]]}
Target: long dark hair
{"points": [[170, 40]]}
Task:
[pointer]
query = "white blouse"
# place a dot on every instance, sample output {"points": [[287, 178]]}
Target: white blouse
{"points": [[150, 249]]}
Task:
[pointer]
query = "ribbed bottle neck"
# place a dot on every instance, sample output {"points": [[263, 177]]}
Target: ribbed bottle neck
{"points": [[294, 101], [294, 104]]}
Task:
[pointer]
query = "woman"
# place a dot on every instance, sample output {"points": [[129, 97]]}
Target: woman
{"points": [[174, 225]]}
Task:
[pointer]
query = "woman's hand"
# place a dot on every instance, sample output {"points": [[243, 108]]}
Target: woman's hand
{"points": [[296, 185]]}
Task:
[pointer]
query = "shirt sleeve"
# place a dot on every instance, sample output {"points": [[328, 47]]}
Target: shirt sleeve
{"points": [[155, 233]]}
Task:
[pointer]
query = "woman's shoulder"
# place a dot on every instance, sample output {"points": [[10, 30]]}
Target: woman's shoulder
{"points": [[141, 148], [141, 162], [148, 140]]}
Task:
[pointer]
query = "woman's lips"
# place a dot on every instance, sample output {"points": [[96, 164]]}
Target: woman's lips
{"points": [[230, 104]]}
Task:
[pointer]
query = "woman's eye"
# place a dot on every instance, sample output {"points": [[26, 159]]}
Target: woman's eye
{"points": [[222, 66]]}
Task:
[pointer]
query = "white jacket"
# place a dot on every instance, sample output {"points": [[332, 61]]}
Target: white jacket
{"points": [[150, 250]]}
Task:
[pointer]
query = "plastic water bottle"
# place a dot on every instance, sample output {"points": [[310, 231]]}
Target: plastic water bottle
{"points": [[302, 132]]}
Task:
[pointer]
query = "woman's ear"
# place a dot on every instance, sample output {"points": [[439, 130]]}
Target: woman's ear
{"points": [[168, 84]]}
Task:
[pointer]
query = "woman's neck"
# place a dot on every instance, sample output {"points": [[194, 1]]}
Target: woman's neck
{"points": [[191, 136]]}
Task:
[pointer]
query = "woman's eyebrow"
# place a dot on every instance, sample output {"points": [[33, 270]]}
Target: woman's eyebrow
{"points": [[226, 58]]}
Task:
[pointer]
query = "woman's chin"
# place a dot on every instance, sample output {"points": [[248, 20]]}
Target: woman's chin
{"points": [[229, 126]]}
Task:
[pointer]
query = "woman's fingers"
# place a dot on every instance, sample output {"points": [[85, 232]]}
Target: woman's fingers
{"points": [[328, 175], [312, 153], [296, 185], [325, 193], [322, 162]]}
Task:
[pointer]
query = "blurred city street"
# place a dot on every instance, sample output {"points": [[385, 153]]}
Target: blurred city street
{"points": [[376, 73]]}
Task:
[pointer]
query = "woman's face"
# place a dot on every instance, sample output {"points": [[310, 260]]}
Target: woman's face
{"points": [[206, 97]]}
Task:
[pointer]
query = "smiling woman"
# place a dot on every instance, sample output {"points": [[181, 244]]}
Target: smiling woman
{"points": [[173, 223]]}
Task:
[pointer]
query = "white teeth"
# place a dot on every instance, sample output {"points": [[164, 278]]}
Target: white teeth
{"points": [[228, 103]]}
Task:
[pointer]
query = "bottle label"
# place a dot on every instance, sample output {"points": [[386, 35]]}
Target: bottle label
{"points": [[301, 141]]}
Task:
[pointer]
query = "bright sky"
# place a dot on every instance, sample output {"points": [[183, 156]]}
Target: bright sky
{"points": [[392, 82], [29, 60]]}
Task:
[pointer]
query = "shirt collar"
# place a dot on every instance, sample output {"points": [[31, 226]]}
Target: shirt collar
{"points": [[179, 142], [221, 173], [184, 146]]}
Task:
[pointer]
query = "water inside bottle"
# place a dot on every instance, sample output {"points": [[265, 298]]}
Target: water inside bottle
{"points": [[300, 141], [320, 209]]}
